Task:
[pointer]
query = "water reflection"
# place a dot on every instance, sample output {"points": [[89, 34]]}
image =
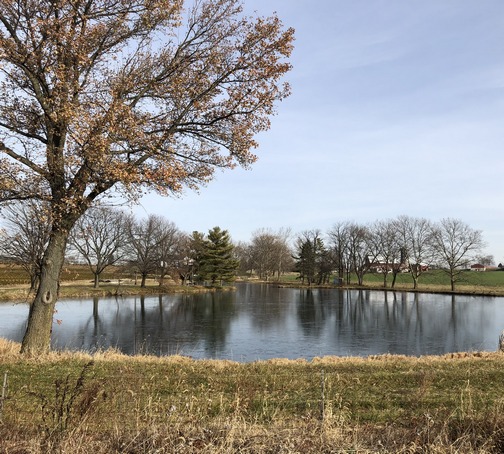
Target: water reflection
{"points": [[259, 322], [159, 325]]}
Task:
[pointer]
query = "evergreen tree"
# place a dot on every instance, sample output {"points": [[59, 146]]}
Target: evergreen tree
{"points": [[217, 263], [196, 252], [313, 262]]}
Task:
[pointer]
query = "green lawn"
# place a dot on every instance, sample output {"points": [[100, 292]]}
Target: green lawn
{"points": [[439, 277], [434, 280]]}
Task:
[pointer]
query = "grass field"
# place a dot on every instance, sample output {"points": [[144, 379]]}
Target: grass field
{"points": [[15, 275], [488, 282], [434, 280], [110, 403], [78, 281], [438, 277]]}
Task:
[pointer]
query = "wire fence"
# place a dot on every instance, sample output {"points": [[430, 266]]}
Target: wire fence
{"points": [[158, 397]]}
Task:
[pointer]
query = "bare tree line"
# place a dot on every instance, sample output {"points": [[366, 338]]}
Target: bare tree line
{"points": [[404, 244], [268, 255], [104, 237], [155, 245], [401, 245]]}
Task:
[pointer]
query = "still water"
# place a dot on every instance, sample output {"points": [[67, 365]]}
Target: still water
{"points": [[260, 322]]}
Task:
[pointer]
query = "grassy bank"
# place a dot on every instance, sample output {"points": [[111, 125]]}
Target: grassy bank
{"points": [[109, 403], [77, 281], [20, 293], [469, 282]]}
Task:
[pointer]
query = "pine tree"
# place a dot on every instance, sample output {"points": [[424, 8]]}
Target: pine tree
{"points": [[217, 263], [196, 252], [313, 262]]}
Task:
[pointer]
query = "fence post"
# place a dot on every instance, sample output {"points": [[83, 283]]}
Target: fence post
{"points": [[322, 401], [4, 394]]}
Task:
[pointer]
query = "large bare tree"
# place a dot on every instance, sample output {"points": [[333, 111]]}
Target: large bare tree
{"points": [[416, 246], [359, 249], [98, 237], [25, 236], [386, 248], [339, 236], [130, 95], [270, 253], [169, 249], [454, 245], [150, 246]]}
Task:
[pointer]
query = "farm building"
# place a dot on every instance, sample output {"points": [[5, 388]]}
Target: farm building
{"points": [[478, 267]]}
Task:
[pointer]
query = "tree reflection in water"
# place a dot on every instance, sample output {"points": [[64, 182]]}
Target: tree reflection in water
{"points": [[264, 321]]}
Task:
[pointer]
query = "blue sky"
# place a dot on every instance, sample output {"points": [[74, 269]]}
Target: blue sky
{"points": [[397, 107]]}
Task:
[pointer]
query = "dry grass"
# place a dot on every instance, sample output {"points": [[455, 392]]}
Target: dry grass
{"points": [[84, 289], [110, 403], [77, 281], [65, 402]]}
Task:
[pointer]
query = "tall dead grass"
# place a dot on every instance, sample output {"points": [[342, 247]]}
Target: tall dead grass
{"points": [[110, 403], [236, 435]]}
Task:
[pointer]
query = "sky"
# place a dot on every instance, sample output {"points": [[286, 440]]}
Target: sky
{"points": [[397, 108]]}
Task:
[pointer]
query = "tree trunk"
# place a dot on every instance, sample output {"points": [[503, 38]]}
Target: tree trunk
{"points": [[33, 282], [415, 281], [96, 283], [37, 338], [394, 278], [162, 274]]}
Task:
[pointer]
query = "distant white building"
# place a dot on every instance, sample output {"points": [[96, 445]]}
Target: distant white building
{"points": [[478, 267], [379, 265]]}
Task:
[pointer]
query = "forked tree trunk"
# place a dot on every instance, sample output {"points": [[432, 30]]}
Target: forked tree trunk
{"points": [[415, 281], [37, 338]]}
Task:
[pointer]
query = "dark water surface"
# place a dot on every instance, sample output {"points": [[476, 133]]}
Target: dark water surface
{"points": [[260, 322]]}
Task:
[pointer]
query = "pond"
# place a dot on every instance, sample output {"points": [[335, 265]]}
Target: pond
{"points": [[263, 321]]}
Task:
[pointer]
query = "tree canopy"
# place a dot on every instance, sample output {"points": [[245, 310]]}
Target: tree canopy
{"points": [[99, 93]]}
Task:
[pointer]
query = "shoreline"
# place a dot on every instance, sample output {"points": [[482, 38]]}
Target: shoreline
{"points": [[491, 291], [410, 290], [21, 294]]}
